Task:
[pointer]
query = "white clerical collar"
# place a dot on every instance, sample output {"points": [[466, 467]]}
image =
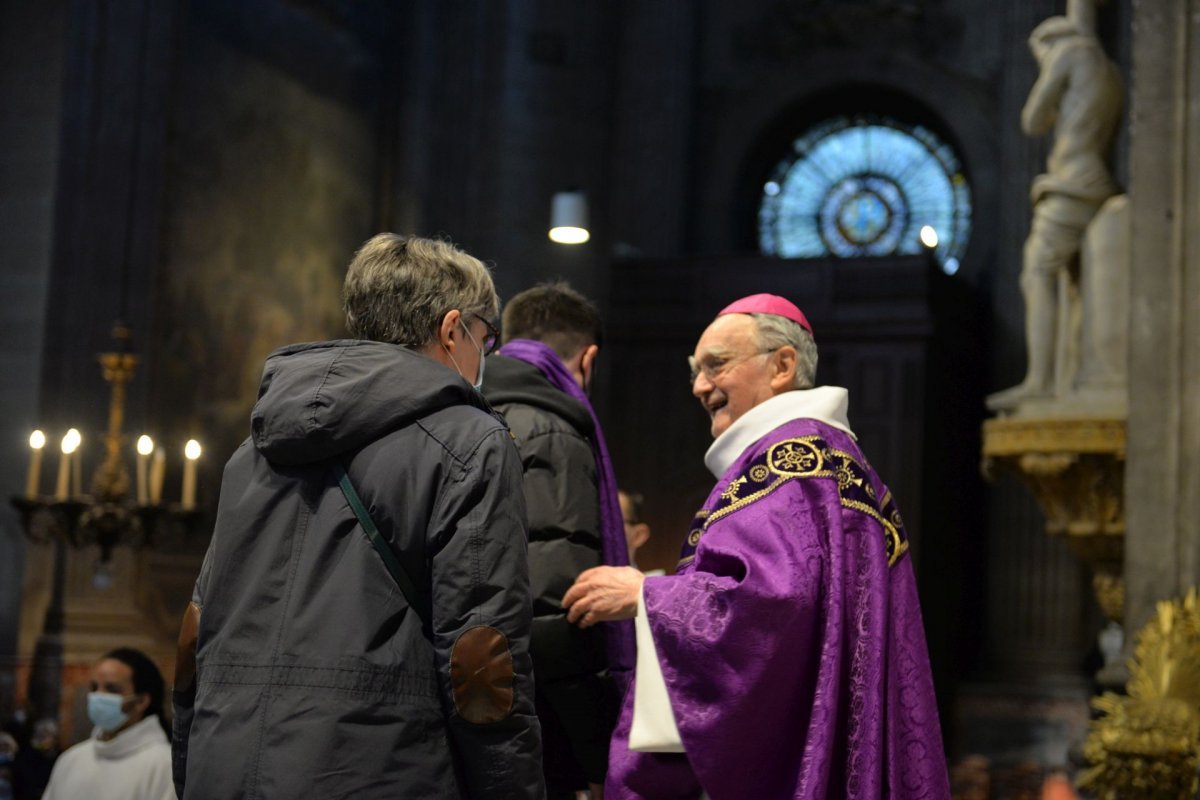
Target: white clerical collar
{"points": [[826, 404]]}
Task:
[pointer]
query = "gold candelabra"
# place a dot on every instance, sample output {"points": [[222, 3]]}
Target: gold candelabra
{"points": [[107, 517]]}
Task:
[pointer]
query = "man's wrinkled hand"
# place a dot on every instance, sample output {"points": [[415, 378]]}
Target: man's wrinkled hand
{"points": [[603, 594]]}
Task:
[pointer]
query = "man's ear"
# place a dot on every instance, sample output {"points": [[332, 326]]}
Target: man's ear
{"points": [[783, 376], [448, 333], [581, 366]]}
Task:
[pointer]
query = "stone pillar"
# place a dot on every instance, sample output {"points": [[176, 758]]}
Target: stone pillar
{"points": [[34, 46], [1163, 469]]}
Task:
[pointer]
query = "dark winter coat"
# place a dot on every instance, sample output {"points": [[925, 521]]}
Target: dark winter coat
{"points": [[313, 676], [576, 700]]}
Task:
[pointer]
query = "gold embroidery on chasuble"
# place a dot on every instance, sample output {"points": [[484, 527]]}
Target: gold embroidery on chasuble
{"points": [[731, 491], [803, 458]]}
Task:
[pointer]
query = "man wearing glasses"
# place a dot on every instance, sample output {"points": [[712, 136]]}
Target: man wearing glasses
{"points": [[539, 381], [360, 627], [786, 656]]}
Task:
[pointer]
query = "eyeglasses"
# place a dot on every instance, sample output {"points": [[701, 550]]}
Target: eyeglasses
{"points": [[493, 335], [713, 366]]}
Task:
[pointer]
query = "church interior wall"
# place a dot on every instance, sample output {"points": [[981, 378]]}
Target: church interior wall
{"points": [[270, 182]]}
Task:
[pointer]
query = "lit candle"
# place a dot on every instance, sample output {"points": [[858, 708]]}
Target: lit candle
{"points": [[157, 469], [37, 440], [76, 464], [191, 452], [69, 442], [145, 446]]}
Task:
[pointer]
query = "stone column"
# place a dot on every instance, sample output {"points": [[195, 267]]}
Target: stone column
{"points": [[32, 38], [1162, 487]]}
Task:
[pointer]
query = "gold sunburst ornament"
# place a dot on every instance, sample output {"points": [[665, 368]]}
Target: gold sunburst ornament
{"points": [[1147, 744]]}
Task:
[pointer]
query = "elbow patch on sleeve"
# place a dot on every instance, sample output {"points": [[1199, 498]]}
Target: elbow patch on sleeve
{"points": [[481, 675], [185, 655]]}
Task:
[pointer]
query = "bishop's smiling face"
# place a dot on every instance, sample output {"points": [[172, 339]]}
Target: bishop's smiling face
{"points": [[732, 373]]}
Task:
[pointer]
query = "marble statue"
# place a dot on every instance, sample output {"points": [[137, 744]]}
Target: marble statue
{"points": [[1077, 96], [1103, 367]]}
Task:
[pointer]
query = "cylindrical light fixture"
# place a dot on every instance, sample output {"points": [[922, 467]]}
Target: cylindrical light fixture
{"points": [[569, 218]]}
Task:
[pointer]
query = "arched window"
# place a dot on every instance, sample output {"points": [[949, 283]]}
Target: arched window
{"points": [[866, 186]]}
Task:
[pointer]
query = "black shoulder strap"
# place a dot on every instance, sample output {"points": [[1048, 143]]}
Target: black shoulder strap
{"points": [[385, 551]]}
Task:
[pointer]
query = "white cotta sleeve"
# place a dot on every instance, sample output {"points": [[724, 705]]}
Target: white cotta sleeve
{"points": [[653, 729]]}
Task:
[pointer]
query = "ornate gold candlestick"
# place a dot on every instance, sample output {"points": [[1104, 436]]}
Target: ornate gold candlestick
{"points": [[106, 518]]}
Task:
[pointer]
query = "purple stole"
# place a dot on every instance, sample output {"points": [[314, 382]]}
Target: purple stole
{"points": [[614, 550]]}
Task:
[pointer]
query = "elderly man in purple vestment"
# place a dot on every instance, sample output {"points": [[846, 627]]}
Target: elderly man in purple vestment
{"points": [[786, 657]]}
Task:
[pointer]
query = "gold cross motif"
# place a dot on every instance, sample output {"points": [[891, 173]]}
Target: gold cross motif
{"points": [[731, 491]]}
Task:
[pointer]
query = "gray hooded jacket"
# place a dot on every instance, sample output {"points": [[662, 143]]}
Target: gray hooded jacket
{"points": [[303, 672]]}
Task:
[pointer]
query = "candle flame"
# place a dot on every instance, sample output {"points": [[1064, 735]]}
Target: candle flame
{"points": [[191, 450], [71, 442], [929, 236], [37, 440], [145, 445]]}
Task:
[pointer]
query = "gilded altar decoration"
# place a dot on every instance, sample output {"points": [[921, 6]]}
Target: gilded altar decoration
{"points": [[1075, 467], [1147, 745]]}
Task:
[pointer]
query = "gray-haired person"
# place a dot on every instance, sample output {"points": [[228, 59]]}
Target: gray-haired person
{"points": [[360, 626]]}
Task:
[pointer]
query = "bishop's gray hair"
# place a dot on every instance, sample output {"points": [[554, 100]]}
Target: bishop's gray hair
{"points": [[399, 288], [774, 331]]}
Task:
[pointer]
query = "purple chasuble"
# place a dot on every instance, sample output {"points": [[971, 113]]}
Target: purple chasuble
{"points": [[614, 550], [790, 639]]}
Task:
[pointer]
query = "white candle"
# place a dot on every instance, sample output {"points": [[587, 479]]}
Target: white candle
{"points": [[191, 452], [37, 440], [76, 464], [145, 446], [69, 442], [157, 469]]}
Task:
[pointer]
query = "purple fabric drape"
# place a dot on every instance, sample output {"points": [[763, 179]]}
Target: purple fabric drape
{"points": [[619, 636]]}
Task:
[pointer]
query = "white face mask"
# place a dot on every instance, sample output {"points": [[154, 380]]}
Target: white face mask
{"points": [[478, 385]]}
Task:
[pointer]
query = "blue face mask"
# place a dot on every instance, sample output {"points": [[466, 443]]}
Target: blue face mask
{"points": [[104, 710]]}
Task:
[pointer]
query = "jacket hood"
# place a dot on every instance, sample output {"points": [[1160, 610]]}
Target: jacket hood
{"points": [[510, 380], [321, 399]]}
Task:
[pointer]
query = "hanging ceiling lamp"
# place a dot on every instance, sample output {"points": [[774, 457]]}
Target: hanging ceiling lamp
{"points": [[569, 218]]}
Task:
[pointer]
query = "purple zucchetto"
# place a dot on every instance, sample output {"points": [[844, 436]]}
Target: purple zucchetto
{"points": [[768, 304]]}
